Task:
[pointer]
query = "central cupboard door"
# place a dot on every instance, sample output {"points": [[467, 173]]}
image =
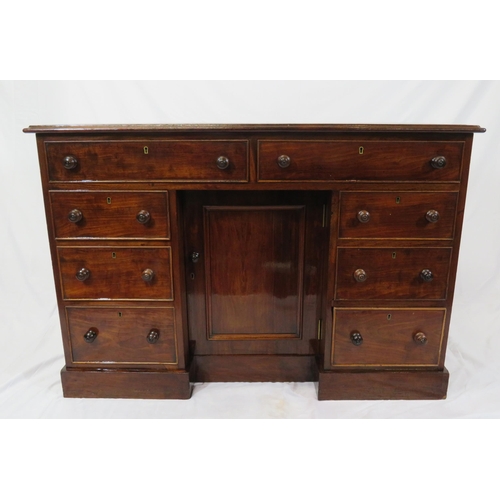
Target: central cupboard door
{"points": [[254, 270]]}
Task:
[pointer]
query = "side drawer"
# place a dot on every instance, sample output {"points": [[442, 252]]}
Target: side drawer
{"points": [[397, 215], [392, 273], [360, 160], [387, 337], [102, 273], [147, 160], [110, 215], [114, 335]]}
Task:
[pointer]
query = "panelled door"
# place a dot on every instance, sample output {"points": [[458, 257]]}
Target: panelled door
{"points": [[254, 270]]}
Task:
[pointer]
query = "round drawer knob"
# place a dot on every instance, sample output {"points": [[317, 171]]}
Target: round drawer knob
{"points": [[360, 275], [356, 338], [222, 162], [363, 216], [284, 161], [153, 336], [420, 338], [143, 217], [148, 275], [90, 336], [75, 216], [438, 162], [70, 162], [83, 274], [426, 275], [432, 216]]}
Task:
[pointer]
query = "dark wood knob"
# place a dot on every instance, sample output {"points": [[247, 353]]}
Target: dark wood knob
{"points": [[438, 162], [70, 162], [153, 336], [360, 275], [363, 216], [143, 217], [222, 162], [284, 161], [83, 274], [148, 275], [426, 275], [420, 338], [432, 215], [90, 336], [75, 215], [356, 338]]}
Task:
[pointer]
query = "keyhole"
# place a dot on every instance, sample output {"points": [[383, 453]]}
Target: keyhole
{"points": [[108, 200], [191, 276], [113, 255], [398, 199], [120, 314], [361, 150], [393, 255], [146, 150], [389, 317]]}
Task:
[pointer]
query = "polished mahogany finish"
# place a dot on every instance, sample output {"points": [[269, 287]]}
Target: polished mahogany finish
{"points": [[116, 273], [388, 337], [359, 160], [151, 159], [110, 336], [110, 215], [219, 253], [397, 215]]}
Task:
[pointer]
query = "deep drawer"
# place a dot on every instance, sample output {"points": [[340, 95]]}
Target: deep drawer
{"points": [[387, 337], [147, 160], [102, 273], [397, 215], [115, 335], [110, 214], [392, 273], [360, 160]]}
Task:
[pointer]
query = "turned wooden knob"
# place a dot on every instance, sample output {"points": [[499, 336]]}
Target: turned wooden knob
{"points": [[83, 274], [284, 161], [420, 338], [153, 336], [222, 162], [143, 217], [438, 162], [363, 216], [70, 162], [360, 275], [356, 338], [75, 215], [90, 336], [432, 215], [148, 275], [426, 275]]}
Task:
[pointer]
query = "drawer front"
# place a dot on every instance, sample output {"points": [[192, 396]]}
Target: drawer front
{"points": [[387, 337], [122, 335], [341, 160], [116, 273], [115, 215], [397, 215], [148, 160], [392, 273]]}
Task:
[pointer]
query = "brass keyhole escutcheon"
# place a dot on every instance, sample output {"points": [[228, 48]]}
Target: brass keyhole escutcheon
{"points": [[120, 314], [108, 200], [146, 150], [113, 255], [393, 255], [398, 199], [389, 317], [361, 150]]}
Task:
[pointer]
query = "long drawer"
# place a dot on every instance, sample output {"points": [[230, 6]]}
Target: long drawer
{"points": [[100, 273], [387, 337], [430, 161], [120, 161], [392, 273], [397, 215], [110, 215], [114, 335]]}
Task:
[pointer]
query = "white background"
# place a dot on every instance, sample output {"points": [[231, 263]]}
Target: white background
{"points": [[80, 448], [31, 352]]}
